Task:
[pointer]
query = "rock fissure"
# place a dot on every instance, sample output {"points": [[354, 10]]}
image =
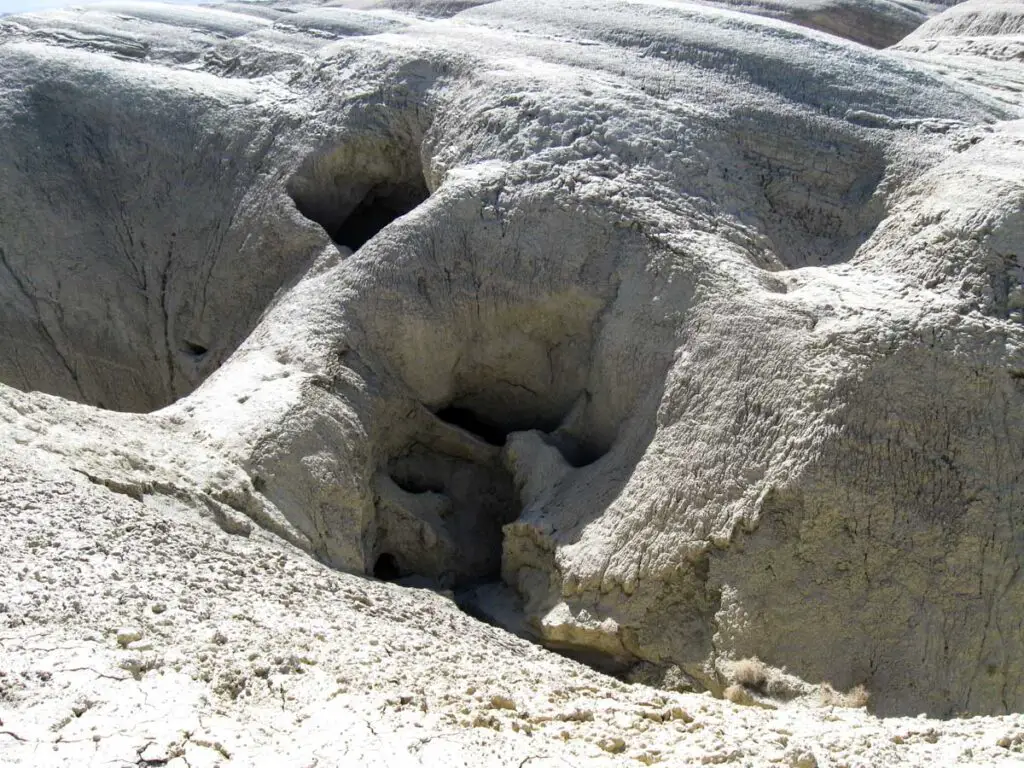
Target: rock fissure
{"points": [[442, 503]]}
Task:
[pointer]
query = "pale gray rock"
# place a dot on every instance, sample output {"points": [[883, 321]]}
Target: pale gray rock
{"points": [[700, 330], [976, 42], [974, 19], [264, 657], [974, 38], [877, 23]]}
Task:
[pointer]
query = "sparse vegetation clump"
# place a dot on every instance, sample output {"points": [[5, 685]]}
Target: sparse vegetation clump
{"points": [[751, 673], [855, 698], [738, 694], [751, 681]]}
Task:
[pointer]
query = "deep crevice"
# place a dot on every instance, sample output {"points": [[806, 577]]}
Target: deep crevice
{"points": [[160, 288], [577, 452], [441, 515], [380, 206], [442, 503], [487, 430], [456, 491], [411, 483]]}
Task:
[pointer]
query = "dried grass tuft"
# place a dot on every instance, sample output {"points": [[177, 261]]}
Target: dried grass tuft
{"points": [[751, 673], [855, 698], [737, 694]]}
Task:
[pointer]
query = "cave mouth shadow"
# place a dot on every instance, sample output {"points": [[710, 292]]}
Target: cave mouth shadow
{"points": [[493, 431], [443, 502], [353, 227], [386, 567], [356, 188]]}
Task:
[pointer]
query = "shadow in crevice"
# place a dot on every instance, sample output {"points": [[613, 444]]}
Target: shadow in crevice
{"points": [[441, 516], [576, 451], [443, 501], [464, 418]]}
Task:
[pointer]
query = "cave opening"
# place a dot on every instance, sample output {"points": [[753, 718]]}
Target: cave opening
{"points": [[196, 350], [353, 225], [576, 451], [386, 567], [358, 187], [443, 501], [441, 515], [379, 208], [489, 431]]}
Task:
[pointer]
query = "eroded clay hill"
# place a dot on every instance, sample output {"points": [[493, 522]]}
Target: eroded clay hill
{"points": [[666, 334]]}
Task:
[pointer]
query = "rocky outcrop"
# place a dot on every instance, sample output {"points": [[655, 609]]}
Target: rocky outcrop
{"points": [[699, 330], [145, 224], [877, 23], [972, 35], [134, 632]]}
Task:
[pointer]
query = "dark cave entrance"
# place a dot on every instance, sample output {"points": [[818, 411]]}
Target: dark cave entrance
{"points": [[356, 188], [578, 453], [489, 431], [197, 351], [386, 568], [443, 502], [353, 225], [442, 516]]}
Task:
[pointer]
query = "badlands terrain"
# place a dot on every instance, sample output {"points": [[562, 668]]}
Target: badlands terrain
{"points": [[514, 383]]}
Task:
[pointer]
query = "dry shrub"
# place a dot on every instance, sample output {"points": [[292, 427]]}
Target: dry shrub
{"points": [[751, 673], [742, 696], [737, 694], [752, 682], [757, 677], [855, 698]]}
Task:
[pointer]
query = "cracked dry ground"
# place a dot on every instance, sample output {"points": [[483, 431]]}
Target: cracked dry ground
{"points": [[140, 634]]}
